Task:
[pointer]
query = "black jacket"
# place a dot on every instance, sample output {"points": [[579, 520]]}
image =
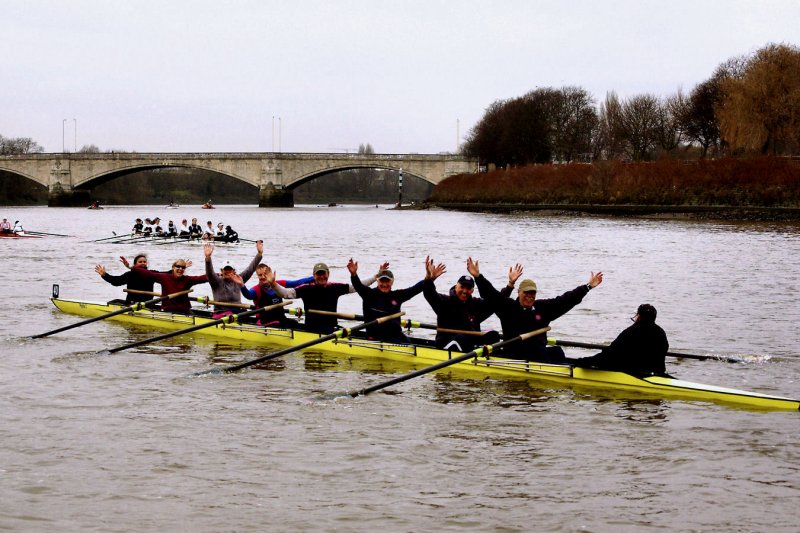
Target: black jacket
{"points": [[452, 313], [517, 320], [639, 350], [378, 304]]}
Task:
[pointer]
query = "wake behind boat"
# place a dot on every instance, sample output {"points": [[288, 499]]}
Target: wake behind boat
{"points": [[603, 382]]}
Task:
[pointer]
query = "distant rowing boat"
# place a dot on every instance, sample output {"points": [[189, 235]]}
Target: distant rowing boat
{"points": [[592, 381], [137, 239]]}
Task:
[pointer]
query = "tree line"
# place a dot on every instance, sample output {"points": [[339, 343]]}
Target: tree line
{"points": [[750, 105]]}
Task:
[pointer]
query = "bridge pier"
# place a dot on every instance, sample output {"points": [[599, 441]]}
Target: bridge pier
{"points": [[58, 196], [271, 196]]}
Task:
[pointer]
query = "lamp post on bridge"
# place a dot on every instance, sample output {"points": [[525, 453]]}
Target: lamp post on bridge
{"points": [[63, 128], [75, 120]]}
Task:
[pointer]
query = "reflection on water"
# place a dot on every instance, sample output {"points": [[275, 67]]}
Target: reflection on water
{"points": [[89, 438]]}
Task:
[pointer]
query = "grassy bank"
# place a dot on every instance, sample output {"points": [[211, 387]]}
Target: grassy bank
{"points": [[728, 185]]}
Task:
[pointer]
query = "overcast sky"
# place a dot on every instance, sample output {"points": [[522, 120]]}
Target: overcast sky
{"points": [[404, 76]]}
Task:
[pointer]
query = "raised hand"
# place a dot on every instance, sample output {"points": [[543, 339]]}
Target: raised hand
{"points": [[595, 279], [514, 274], [352, 266], [473, 267], [269, 275], [100, 269]]}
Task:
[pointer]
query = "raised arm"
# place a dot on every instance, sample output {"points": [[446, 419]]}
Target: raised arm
{"points": [[279, 289], [248, 271]]}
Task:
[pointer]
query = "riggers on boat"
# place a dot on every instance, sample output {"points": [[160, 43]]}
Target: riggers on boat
{"points": [[604, 382]]}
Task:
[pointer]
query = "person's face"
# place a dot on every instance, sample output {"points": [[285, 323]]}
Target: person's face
{"points": [[463, 292], [194, 221], [321, 277], [228, 273], [262, 276], [385, 284], [527, 298], [140, 262], [178, 270]]}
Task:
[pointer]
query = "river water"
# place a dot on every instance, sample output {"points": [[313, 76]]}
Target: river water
{"points": [[128, 442]]}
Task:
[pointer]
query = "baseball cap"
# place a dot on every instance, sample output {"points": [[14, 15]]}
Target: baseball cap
{"points": [[385, 274], [466, 281], [320, 267], [527, 285]]}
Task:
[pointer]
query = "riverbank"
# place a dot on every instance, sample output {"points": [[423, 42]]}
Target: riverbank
{"points": [[764, 188], [710, 212]]}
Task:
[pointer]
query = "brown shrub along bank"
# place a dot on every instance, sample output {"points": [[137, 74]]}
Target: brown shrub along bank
{"points": [[753, 182]]}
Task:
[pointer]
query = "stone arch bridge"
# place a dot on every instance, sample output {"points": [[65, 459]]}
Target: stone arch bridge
{"points": [[70, 177]]}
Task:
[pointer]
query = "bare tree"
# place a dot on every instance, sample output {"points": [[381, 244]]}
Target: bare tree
{"points": [[19, 146], [697, 115], [668, 134]]}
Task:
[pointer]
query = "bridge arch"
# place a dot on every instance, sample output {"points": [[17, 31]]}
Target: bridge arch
{"points": [[311, 176], [93, 181]]}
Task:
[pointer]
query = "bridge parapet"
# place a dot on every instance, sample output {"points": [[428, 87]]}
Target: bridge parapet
{"points": [[70, 177]]}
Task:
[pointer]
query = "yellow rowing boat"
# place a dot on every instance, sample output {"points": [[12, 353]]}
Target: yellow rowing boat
{"points": [[423, 354]]}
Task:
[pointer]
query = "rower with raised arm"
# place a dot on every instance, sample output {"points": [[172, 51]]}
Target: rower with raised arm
{"points": [[383, 301], [226, 286], [132, 279], [173, 282], [526, 313], [321, 295], [263, 296], [5, 226], [459, 310]]}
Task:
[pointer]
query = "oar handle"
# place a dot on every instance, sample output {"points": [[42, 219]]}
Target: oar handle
{"points": [[462, 332], [205, 300], [403, 323], [344, 332], [347, 316], [593, 346], [229, 319], [482, 351]]}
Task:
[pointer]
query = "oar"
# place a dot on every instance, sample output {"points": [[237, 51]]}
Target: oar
{"points": [[43, 233], [132, 239], [230, 319], [575, 344], [205, 300], [137, 307], [338, 334], [114, 237], [482, 351], [404, 323]]}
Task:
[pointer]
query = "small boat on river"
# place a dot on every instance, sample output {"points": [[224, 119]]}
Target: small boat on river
{"points": [[20, 235], [159, 241], [605, 383]]}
